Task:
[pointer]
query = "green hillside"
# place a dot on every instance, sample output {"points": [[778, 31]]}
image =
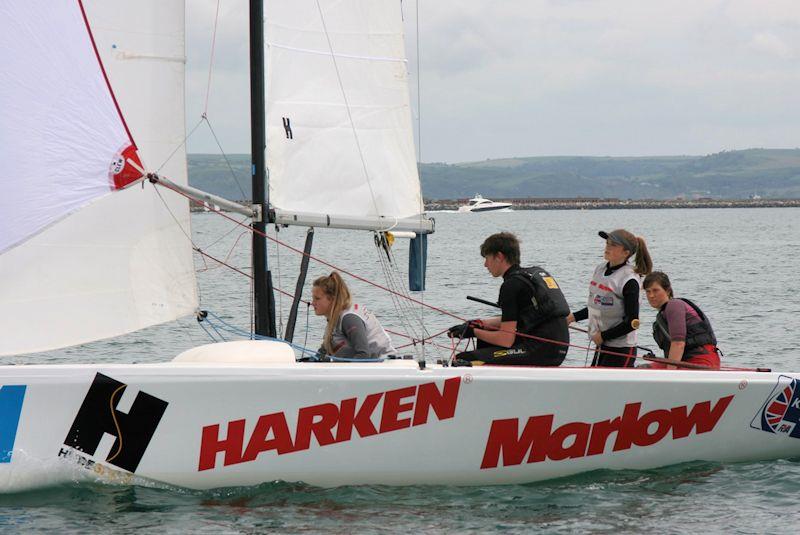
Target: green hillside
{"points": [[769, 173]]}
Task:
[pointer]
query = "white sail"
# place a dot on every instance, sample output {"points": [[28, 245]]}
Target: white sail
{"points": [[61, 131], [339, 138], [78, 262]]}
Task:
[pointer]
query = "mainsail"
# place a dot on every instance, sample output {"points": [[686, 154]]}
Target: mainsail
{"points": [[339, 137], [80, 258]]}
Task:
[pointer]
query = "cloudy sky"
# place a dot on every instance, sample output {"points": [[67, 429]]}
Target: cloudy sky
{"points": [[506, 78]]}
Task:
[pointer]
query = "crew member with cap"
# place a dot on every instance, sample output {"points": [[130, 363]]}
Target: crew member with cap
{"points": [[532, 329], [614, 295]]}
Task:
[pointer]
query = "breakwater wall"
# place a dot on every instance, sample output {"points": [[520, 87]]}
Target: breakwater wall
{"points": [[532, 203]]}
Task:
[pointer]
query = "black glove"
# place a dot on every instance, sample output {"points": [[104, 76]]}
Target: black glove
{"points": [[464, 330]]}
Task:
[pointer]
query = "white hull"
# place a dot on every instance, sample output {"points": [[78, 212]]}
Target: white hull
{"points": [[212, 425], [479, 204], [490, 208]]}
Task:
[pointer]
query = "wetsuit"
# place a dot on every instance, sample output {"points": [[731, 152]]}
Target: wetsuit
{"points": [[680, 320], [516, 296], [614, 294], [358, 334]]}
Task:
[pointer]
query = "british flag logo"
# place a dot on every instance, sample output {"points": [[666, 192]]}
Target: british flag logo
{"points": [[780, 414]]}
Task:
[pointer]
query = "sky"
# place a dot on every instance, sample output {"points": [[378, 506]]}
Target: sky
{"points": [[518, 78]]}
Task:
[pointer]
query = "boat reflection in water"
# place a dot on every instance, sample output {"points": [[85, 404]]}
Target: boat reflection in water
{"points": [[479, 204]]}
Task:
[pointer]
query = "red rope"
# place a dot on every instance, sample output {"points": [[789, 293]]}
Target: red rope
{"points": [[375, 284], [237, 270], [319, 260], [417, 340]]}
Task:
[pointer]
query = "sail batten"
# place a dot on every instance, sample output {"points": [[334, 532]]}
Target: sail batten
{"points": [[334, 55], [339, 132]]}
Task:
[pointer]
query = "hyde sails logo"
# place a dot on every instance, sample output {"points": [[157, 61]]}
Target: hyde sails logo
{"points": [[780, 414], [99, 415]]}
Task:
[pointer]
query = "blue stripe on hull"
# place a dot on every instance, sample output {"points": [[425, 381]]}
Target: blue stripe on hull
{"points": [[11, 397]]}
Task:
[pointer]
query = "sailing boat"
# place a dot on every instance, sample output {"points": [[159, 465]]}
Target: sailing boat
{"points": [[87, 253]]}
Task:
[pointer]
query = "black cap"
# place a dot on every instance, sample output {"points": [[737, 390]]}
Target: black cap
{"points": [[616, 237]]}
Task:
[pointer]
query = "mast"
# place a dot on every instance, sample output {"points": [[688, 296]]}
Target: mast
{"points": [[263, 297]]}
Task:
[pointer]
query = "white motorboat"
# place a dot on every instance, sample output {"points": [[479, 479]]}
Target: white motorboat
{"points": [[479, 204], [83, 256]]}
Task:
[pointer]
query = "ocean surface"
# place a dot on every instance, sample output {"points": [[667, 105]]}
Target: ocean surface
{"points": [[739, 265]]}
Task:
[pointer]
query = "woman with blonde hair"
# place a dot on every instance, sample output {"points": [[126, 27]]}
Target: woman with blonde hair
{"points": [[352, 331], [614, 296]]}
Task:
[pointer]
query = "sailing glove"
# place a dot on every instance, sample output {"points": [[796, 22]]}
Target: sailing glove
{"points": [[464, 330]]}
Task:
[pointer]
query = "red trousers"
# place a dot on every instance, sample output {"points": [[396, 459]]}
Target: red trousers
{"points": [[710, 359]]}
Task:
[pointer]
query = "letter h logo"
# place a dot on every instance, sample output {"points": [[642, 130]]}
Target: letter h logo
{"points": [[98, 415]]}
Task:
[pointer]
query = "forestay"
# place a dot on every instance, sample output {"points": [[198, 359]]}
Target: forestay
{"points": [[80, 258], [339, 138]]}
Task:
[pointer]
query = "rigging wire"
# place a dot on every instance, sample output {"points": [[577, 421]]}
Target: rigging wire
{"points": [[211, 317], [347, 108], [389, 272], [211, 58], [179, 146], [227, 256], [397, 291], [437, 309], [419, 165], [185, 233], [203, 254], [280, 283], [400, 299], [223, 236], [225, 157], [204, 116]]}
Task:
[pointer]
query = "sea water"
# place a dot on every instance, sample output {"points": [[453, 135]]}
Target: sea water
{"points": [[737, 264]]}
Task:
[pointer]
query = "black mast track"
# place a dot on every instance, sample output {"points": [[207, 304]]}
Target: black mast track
{"points": [[262, 278]]}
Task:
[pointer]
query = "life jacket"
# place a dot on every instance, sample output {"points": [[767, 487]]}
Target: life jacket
{"points": [[379, 342], [698, 334], [547, 302], [606, 304]]}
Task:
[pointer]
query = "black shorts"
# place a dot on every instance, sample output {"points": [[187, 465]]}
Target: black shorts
{"points": [[614, 360], [531, 353]]}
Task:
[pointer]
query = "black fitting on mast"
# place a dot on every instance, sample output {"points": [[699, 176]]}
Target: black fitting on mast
{"points": [[264, 299]]}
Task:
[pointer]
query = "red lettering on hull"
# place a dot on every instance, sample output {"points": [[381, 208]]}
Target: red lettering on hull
{"points": [[538, 441], [330, 423]]}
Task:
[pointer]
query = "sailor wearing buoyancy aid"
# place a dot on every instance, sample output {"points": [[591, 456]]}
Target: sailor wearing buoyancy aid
{"points": [[614, 297], [359, 332], [681, 329], [351, 332], [531, 303]]}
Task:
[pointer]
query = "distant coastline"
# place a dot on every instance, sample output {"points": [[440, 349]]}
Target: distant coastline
{"points": [[528, 203], [653, 182], [580, 203]]}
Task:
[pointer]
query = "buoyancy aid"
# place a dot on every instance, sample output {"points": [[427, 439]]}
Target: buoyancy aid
{"points": [[379, 342], [547, 302], [698, 334], [606, 304]]}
